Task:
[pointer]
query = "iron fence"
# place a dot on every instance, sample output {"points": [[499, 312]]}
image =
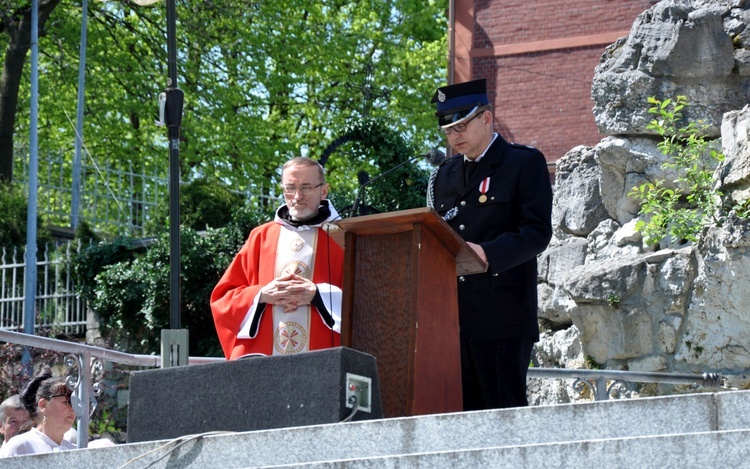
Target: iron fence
{"points": [[114, 199], [58, 307], [120, 200]]}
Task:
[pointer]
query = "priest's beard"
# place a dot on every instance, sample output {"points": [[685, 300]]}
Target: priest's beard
{"points": [[301, 213]]}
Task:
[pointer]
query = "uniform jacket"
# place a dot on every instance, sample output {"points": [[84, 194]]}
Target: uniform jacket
{"points": [[513, 226]]}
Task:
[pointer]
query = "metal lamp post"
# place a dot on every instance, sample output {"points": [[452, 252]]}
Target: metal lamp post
{"points": [[174, 341]]}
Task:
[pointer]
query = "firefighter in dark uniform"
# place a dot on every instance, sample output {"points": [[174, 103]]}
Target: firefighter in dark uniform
{"points": [[497, 196]]}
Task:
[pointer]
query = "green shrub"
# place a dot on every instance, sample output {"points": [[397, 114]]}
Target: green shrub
{"points": [[680, 213], [127, 285], [13, 218], [204, 203]]}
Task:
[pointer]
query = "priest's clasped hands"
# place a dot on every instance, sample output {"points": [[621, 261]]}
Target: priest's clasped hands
{"points": [[288, 291]]}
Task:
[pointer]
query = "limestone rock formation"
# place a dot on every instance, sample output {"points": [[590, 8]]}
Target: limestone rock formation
{"points": [[696, 48], [607, 299]]}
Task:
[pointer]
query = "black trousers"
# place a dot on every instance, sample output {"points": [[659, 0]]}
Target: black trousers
{"points": [[493, 374]]}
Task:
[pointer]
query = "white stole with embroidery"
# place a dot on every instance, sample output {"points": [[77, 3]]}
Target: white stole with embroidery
{"points": [[295, 254]]}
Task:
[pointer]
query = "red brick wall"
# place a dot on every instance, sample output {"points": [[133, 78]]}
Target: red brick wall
{"points": [[512, 21], [543, 98]]}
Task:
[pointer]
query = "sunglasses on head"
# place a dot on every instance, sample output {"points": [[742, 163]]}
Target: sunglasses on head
{"points": [[66, 395]]}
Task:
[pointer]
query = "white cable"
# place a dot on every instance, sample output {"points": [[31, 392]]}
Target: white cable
{"points": [[177, 441]]}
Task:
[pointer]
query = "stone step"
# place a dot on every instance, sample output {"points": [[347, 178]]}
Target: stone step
{"points": [[692, 450], [694, 424]]}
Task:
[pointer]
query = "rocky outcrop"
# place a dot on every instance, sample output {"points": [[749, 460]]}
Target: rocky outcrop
{"points": [[696, 48], [605, 298], [734, 173]]}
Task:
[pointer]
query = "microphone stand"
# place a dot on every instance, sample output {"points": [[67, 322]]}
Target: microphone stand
{"points": [[361, 191]]}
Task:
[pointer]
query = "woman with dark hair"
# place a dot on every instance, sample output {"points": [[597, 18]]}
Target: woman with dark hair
{"points": [[47, 398]]}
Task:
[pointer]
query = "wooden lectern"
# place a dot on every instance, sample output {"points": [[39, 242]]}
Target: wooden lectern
{"points": [[401, 306]]}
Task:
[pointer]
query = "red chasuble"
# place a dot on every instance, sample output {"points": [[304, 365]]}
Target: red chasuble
{"points": [[246, 329]]}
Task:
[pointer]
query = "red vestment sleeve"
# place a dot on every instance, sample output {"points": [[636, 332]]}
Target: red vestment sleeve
{"points": [[251, 269]]}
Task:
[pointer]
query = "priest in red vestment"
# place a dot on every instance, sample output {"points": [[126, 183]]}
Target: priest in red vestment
{"points": [[282, 292]]}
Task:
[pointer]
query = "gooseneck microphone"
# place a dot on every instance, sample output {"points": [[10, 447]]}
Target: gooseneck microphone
{"points": [[434, 156]]}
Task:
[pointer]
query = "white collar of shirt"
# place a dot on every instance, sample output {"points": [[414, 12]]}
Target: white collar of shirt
{"points": [[494, 136]]}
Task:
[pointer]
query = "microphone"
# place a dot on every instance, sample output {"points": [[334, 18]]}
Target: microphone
{"points": [[434, 156]]}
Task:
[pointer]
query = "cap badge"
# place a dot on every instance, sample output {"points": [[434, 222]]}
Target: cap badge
{"points": [[441, 96]]}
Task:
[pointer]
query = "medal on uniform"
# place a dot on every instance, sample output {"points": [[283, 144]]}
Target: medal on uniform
{"points": [[483, 187]]}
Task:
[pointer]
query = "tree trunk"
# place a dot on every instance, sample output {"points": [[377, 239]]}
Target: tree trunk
{"points": [[17, 24]]}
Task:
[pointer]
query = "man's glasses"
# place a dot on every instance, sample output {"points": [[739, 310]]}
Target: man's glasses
{"points": [[67, 397], [459, 127], [304, 189]]}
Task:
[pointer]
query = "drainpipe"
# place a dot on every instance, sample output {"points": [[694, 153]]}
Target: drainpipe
{"points": [[451, 39]]}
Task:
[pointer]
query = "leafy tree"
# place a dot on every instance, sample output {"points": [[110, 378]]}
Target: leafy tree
{"points": [[263, 81], [400, 189], [203, 204], [88, 263], [13, 209], [15, 21]]}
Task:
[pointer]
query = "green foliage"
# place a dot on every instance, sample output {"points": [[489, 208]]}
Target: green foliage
{"points": [[13, 218], [103, 421], [13, 209], [88, 263], [695, 349], [742, 209], [121, 291], [590, 364], [381, 149], [263, 81], [203, 203], [206, 203], [613, 300], [679, 212], [128, 287], [85, 234]]}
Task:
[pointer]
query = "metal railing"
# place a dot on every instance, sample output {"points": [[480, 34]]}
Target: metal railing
{"points": [[112, 198], [596, 380], [115, 197], [85, 360]]}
